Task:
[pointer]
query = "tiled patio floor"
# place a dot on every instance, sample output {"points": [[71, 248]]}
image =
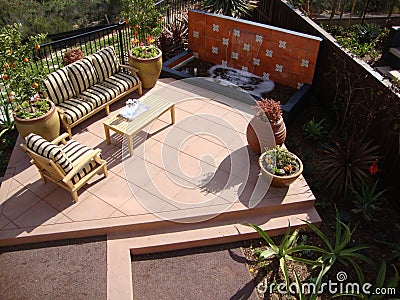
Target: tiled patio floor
{"points": [[180, 172]]}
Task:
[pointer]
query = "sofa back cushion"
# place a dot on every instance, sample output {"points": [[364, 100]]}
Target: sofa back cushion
{"points": [[46, 149], [83, 74], [105, 62], [58, 86]]}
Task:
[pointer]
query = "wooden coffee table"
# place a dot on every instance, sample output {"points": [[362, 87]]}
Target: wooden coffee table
{"points": [[129, 129]]}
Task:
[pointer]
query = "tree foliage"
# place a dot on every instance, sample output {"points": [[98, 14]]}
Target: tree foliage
{"points": [[45, 16]]}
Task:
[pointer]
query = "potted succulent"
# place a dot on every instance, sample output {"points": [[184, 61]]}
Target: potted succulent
{"points": [[283, 166], [268, 111], [145, 21], [23, 82]]}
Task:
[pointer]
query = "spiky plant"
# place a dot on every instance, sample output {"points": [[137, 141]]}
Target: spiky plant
{"points": [[233, 8], [346, 164], [367, 201], [174, 38]]}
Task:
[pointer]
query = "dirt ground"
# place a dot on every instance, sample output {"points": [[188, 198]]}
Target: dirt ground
{"points": [[67, 269]]}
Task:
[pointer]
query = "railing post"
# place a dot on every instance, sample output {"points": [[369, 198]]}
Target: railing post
{"points": [[121, 50]]}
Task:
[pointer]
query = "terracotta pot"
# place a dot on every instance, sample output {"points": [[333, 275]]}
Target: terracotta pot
{"points": [[149, 69], [47, 125], [263, 138], [280, 181]]}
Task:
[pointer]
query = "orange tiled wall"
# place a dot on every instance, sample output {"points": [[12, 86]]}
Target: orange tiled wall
{"points": [[284, 56]]}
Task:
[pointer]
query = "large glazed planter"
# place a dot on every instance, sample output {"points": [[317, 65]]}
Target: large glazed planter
{"points": [[149, 69], [259, 141], [47, 125], [280, 181]]}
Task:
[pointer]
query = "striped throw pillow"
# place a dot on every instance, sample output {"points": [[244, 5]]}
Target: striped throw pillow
{"points": [[105, 62], [83, 74], [46, 149], [74, 151], [59, 86]]}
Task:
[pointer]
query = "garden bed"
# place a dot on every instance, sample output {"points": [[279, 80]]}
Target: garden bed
{"points": [[372, 233]]}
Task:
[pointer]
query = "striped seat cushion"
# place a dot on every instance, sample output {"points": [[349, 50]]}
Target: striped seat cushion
{"points": [[105, 62], [46, 149], [83, 74], [98, 94], [58, 86], [75, 109], [74, 150], [122, 82]]}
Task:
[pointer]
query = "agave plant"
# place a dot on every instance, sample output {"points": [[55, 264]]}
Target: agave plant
{"points": [[346, 164], [367, 201], [233, 8], [284, 252], [340, 251]]}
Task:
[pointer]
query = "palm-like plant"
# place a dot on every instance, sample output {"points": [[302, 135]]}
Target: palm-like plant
{"points": [[233, 8], [346, 164], [284, 252]]}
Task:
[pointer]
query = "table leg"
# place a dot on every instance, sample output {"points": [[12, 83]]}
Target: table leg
{"points": [[172, 114], [130, 144], [107, 132]]}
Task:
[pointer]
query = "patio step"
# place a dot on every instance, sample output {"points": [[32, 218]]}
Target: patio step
{"points": [[395, 51], [193, 235], [384, 70]]}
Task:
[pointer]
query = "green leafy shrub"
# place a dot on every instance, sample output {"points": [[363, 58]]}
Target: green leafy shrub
{"points": [[314, 131], [22, 80], [145, 21]]}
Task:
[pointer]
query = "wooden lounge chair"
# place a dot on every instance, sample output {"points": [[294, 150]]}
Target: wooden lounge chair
{"points": [[69, 165]]}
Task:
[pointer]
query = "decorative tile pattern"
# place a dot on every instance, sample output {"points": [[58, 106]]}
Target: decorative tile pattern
{"points": [[266, 76], [282, 44], [196, 54], [268, 53], [304, 63], [290, 57], [246, 69], [299, 85]]}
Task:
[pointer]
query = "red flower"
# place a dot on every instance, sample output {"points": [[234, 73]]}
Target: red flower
{"points": [[5, 76], [373, 169], [126, 21]]}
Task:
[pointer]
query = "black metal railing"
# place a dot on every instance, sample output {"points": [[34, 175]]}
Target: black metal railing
{"points": [[50, 56]]}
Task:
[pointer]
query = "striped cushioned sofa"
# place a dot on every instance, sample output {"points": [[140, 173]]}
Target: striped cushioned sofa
{"points": [[89, 85]]}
